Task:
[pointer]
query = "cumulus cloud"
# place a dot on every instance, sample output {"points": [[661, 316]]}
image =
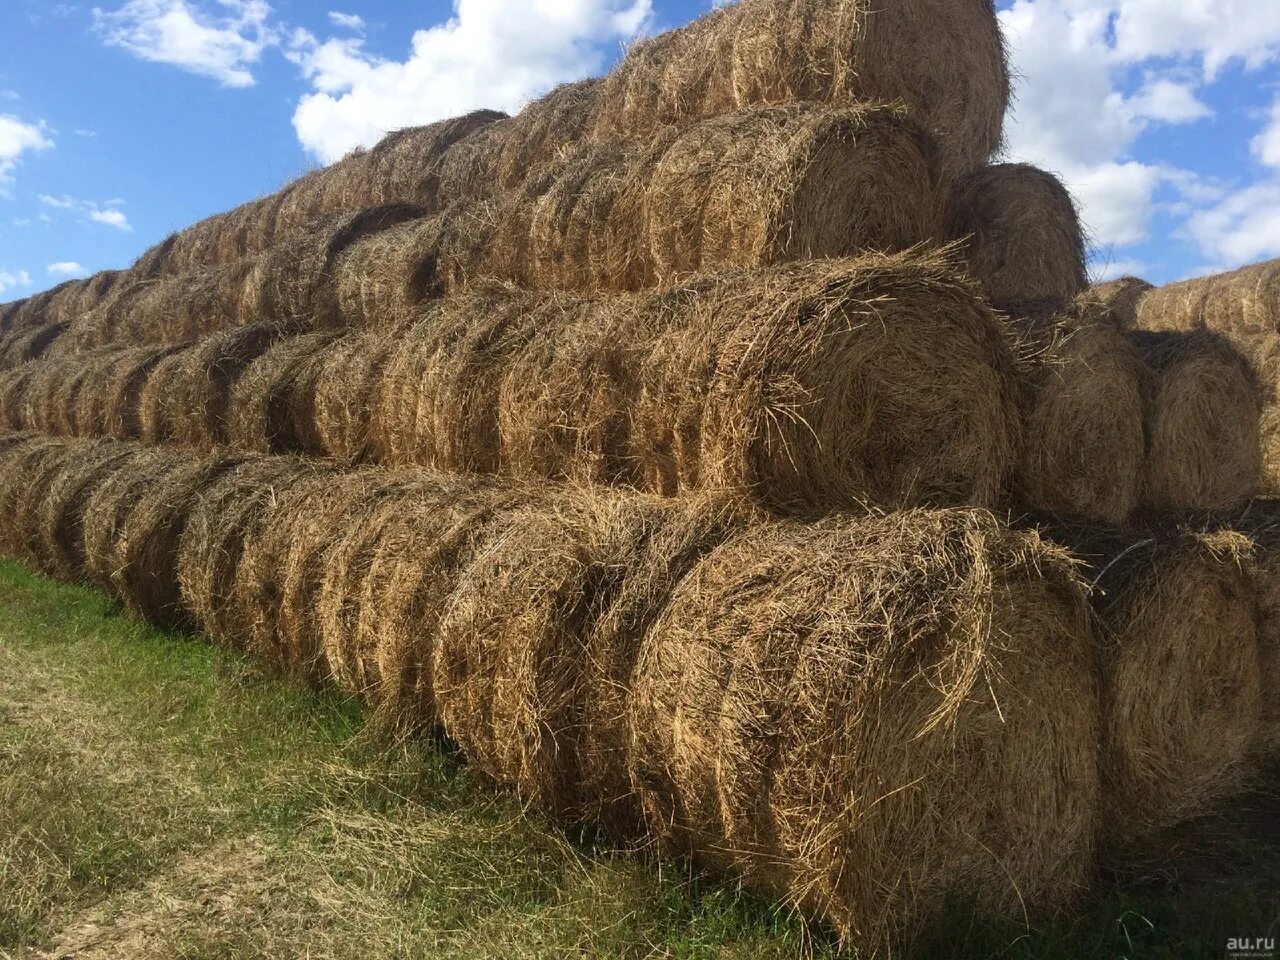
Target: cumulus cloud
{"points": [[490, 53], [347, 21], [107, 213], [12, 279], [18, 137], [1266, 145], [66, 268], [223, 42]]}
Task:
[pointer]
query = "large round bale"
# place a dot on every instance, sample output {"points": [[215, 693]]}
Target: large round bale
{"points": [[372, 280], [278, 576], [540, 637], [512, 149], [1019, 231], [108, 507], [60, 513], [225, 518], [24, 472], [1084, 453], [1119, 298], [1261, 523], [13, 394], [115, 404], [791, 183], [22, 345], [944, 60], [876, 718], [348, 389], [160, 399], [83, 376], [292, 282], [1244, 303], [9, 312], [206, 377], [403, 167], [272, 404], [438, 393], [1203, 423], [1178, 650], [149, 538]]}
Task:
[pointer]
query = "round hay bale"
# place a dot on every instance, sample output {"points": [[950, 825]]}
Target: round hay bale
{"points": [[1020, 235], [1203, 414], [944, 61], [21, 345], [1243, 304], [153, 262], [369, 278], [160, 399], [1178, 649], [13, 395], [276, 580], [272, 404], [114, 407], [347, 392], [60, 513], [791, 183], [8, 313], [526, 142], [1084, 450], [227, 516], [206, 379], [150, 534], [1119, 299], [24, 473], [438, 400], [874, 717], [109, 505], [402, 167]]}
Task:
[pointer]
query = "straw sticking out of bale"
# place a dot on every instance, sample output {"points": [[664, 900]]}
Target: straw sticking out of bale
{"points": [[1021, 235], [945, 61], [1179, 657], [872, 717], [1083, 454], [1203, 414]]}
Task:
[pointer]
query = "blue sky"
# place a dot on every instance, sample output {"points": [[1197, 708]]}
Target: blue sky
{"points": [[125, 120]]}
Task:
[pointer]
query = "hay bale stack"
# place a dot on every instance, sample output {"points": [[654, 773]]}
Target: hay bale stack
{"points": [[64, 498], [1119, 298], [755, 187], [1243, 304], [1178, 652], [1203, 412], [539, 641], [874, 717], [272, 403], [944, 61], [1019, 231], [226, 517], [1084, 450], [807, 388]]}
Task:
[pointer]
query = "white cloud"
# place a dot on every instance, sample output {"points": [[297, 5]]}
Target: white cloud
{"points": [[105, 213], [347, 21], [18, 137], [12, 279], [1096, 74], [1111, 269], [112, 218], [490, 53], [1242, 228], [223, 44], [66, 268], [1266, 145]]}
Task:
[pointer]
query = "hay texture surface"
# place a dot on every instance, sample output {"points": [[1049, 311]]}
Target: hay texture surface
{"points": [[1244, 304], [872, 717], [1084, 450], [1260, 521], [1119, 298], [1179, 658], [1020, 234], [1204, 406], [943, 60]]}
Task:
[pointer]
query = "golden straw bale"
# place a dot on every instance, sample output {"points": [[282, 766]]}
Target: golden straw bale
{"points": [[24, 470], [1178, 650], [348, 386], [1020, 234], [1242, 304], [1084, 451], [875, 717], [1204, 407], [272, 403], [60, 513]]}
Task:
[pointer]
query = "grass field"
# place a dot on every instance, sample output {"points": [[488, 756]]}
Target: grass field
{"points": [[160, 797]]}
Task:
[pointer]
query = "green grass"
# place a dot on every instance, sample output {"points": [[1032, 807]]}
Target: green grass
{"points": [[161, 796]]}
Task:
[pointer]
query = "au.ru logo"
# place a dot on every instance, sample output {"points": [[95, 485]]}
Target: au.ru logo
{"points": [[1249, 948]]}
